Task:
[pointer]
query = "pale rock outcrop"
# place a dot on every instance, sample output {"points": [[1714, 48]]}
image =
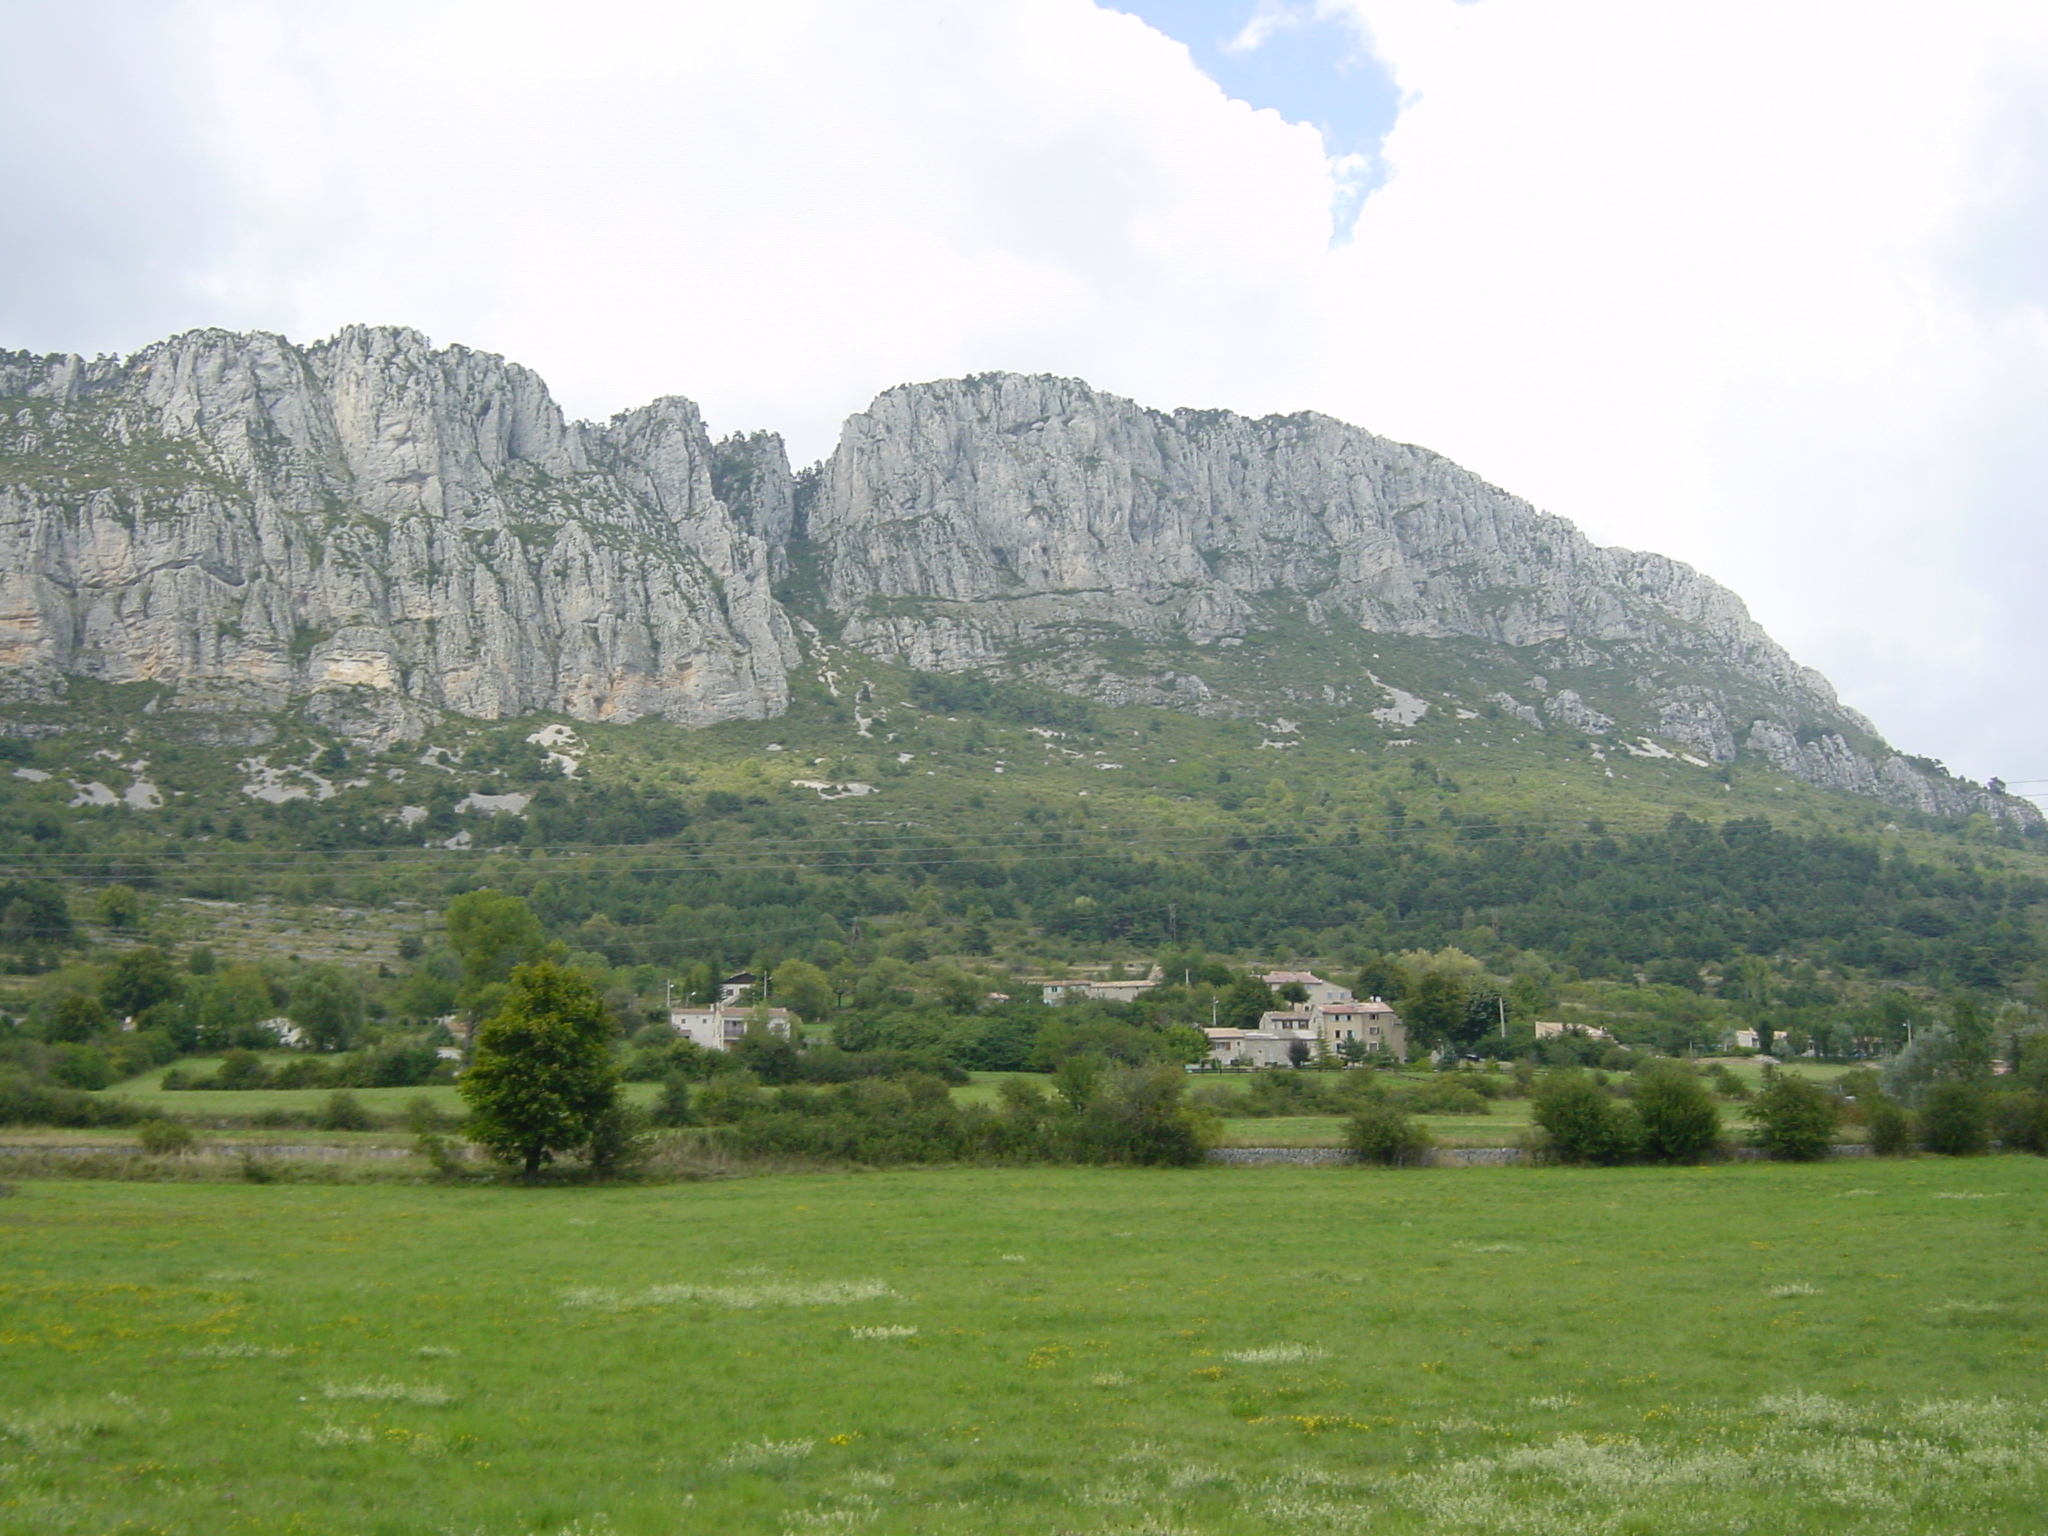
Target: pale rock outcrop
{"points": [[1567, 708], [960, 519], [1826, 759], [372, 530], [387, 527], [1694, 716]]}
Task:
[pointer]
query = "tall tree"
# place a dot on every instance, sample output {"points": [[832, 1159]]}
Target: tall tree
{"points": [[140, 980], [542, 1079], [1434, 1009], [491, 932], [327, 1005]]}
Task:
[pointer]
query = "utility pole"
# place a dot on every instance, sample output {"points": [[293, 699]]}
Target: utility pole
{"points": [[1502, 1004], [1173, 922]]}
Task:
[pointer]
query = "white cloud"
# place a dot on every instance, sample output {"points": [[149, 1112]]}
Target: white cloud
{"points": [[1759, 285], [1692, 275]]}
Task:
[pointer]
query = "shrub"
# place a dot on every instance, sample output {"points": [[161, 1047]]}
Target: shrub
{"points": [[619, 1142], [2020, 1121], [1890, 1126], [439, 1153], [25, 1102], [1447, 1096], [1794, 1118], [241, 1070], [423, 1116], [344, 1112], [729, 1100], [1726, 1083], [1141, 1116], [1953, 1120], [164, 1138], [1679, 1121], [672, 1108], [81, 1066], [1383, 1132], [1582, 1123]]}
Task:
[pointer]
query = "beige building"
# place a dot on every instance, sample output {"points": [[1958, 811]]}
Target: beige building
{"points": [[716, 1027], [1547, 1029], [1371, 1023], [1318, 990], [1250, 1047]]}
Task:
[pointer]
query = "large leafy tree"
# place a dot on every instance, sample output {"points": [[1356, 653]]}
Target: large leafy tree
{"points": [[327, 1005], [542, 1080], [140, 979], [1434, 1009], [491, 932]]}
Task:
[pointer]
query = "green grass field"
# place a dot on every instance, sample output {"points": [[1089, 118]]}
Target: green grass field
{"points": [[1830, 1348]]}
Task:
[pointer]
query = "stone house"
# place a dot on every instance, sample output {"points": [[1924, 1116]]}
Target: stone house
{"points": [[1318, 990], [1549, 1030], [716, 1027], [1371, 1023], [1250, 1047]]}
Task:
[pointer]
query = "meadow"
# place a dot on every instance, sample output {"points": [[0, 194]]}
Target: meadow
{"points": [[1846, 1347]]}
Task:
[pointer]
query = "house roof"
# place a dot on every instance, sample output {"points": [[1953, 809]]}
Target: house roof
{"points": [[1282, 978]]}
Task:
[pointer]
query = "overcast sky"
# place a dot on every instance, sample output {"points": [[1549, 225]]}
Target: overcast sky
{"points": [[1762, 284]]}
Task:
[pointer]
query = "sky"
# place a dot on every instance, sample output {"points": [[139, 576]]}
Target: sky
{"points": [[1762, 286]]}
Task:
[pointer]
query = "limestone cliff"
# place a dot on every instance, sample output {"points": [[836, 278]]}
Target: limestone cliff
{"points": [[375, 529], [385, 526]]}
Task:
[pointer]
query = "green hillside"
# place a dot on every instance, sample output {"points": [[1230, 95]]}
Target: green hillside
{"points": [[1000, 831]]}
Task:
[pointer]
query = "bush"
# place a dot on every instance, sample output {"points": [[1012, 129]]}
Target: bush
{"points": [[440, 1154], [1953, 1121], [1447, 1096], [2020, 1121], [24, 1102], [1794, 1118], [1726, 1083], [1141, 1116], [344, 1112], [164, 1138], [81, 1066], [1890, 1127], [1677, 1114], [241, 1070], [1582, 1123], [1383, 1132], [619, 1142], [423, 1116], [672, 1108]]}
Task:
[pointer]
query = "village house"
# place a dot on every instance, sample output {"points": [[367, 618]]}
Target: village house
{"points": [[1371, 1023], [1318, 990], [1250, 1048], [1324, 1028], [1103, 991], [1549, 1030], [716, 1026]]}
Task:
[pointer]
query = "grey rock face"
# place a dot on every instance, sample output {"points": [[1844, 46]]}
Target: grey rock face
{"points": [[960, 519], [395, 528], [375, 529], [1694, 717], [1567, 708], [1829, 761]]}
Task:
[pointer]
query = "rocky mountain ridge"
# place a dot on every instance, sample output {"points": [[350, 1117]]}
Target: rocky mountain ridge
{"points": [[376, 530]]}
